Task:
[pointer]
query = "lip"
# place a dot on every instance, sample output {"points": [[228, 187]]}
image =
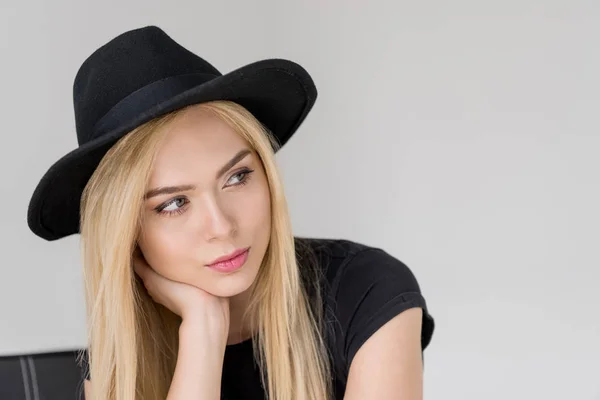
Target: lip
{"points": [[228, 257]]}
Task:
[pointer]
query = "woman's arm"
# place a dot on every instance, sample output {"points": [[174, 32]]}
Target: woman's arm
{"points": [[389, 364], [199, 364], [202, 334]]}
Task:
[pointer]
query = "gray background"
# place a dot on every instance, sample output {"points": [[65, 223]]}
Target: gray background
{"points": [[460, 136]]}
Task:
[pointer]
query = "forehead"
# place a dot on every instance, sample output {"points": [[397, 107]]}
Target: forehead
{"points": [[197, 142]]}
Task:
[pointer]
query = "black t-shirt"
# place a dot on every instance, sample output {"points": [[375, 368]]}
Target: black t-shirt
{"points": [[362, 288]]}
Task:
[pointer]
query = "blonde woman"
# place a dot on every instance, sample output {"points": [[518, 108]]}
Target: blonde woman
{"points": [[195, 286]]}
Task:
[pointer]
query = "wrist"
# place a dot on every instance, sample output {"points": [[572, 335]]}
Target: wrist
{"points": [[196, 332], [198, 372]]}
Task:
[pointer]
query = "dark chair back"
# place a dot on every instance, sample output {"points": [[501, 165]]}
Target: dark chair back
{"points": [[43, 376]]}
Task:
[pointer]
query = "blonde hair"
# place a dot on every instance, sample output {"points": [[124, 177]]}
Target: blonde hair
{"points": [[133, 341]]}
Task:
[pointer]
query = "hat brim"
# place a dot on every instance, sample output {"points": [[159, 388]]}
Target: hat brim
{"points": [[279, 93]]}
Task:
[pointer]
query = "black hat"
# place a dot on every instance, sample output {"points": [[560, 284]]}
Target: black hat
{"points": [[138, 76]]}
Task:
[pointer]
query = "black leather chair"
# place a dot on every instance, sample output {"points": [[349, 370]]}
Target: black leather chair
{"points": [[43, 376]]}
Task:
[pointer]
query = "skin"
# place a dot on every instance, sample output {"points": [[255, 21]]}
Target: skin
{"points": [[217, 217]]}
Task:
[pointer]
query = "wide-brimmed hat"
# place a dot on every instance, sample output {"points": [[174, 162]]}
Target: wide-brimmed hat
{"points": [[138, 76]]}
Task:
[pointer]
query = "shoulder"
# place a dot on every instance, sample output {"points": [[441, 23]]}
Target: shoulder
{"points": [[357, 272], [347, 260], [331, 254], [366, 288]]}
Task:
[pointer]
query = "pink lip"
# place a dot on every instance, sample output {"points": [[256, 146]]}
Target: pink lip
{"points": [[230, 262]]}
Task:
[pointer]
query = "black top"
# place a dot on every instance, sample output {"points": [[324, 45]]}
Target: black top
{"points": [[362, 289]]}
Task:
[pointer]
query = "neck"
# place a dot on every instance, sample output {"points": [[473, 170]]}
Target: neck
{"points": [[238, 304]]}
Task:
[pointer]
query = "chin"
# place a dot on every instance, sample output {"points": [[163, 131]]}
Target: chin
{"points": [[230, 289], [231, 285]]}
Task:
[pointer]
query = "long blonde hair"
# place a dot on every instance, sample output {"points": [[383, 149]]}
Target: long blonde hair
{"points": [[133, 341]]}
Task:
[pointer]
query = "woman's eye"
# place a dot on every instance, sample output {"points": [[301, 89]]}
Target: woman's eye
{"points": [[174, 205], [237, 178], [177, 205], [240, 178]]}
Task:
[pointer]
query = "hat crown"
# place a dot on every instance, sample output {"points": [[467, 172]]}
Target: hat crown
{"points": [[125, 64]]}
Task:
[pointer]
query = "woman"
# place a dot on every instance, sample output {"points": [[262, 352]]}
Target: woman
{"points": [[195, 286]]}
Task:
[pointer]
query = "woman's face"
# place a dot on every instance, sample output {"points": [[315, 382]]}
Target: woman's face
{"points": [[213, 200]]}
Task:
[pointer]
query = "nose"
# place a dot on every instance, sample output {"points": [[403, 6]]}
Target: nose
{"points": [[217, 222]]}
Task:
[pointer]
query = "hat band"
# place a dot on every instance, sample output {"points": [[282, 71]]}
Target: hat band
{"points": [[140, 102]]}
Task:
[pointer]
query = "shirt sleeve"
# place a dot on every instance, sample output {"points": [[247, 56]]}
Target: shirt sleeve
{"points": [[375, 287]]}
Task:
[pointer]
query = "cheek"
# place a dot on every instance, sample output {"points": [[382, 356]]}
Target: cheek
{"points": [[255, 214], [162, 252]]}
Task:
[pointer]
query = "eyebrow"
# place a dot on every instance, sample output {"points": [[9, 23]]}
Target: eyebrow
{"points": [[236, 159], [182, 188]]}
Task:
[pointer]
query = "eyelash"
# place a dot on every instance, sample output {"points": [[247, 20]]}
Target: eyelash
{"points": [[246, 172]]}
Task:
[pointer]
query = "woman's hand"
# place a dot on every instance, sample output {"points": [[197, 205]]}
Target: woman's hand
{"points": [[192, 304], [202, 334]]}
